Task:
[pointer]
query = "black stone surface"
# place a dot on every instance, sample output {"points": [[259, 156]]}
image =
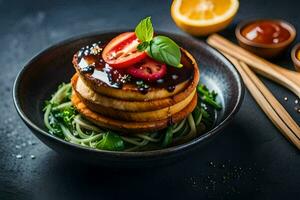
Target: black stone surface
{"points": [[251, 160]]}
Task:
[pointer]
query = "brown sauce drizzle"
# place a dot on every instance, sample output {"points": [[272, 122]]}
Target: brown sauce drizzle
{"points": [[90, 63]]}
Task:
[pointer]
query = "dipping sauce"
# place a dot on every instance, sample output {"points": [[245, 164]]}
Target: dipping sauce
{"points": [[266, 32]]}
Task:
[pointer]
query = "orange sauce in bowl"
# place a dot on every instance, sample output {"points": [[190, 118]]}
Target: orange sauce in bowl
{"points": [[298, 54], [266, 32]]}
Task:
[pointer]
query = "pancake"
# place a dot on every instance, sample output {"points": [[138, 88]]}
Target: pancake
{"points": [[138, 116], [99, 79], [94, 98], [130, 127]]}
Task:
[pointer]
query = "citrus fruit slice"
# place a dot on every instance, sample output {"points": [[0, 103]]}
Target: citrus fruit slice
{"points": [[202, 17]]}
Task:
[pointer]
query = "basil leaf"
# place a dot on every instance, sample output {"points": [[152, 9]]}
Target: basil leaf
{"points": [[111, 142], [144, 30], [142, 46], [165, 50]]}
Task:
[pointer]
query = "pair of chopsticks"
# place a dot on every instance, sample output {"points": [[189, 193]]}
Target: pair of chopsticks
{"points": [[265, 99]]}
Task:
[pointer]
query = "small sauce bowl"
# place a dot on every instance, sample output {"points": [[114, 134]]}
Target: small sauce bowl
{"points": [[295, 54], [265, 50]]}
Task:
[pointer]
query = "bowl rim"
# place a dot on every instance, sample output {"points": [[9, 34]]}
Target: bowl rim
{"points": [[285, 24], [294, 51], [152, 153]]}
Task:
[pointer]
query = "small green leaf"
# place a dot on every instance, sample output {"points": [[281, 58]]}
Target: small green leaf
{"points": [[111, 142], [205, 114], [144, 30], [208, 97], [165, 50], [168, 137], [65, 116], [142, 46], [211, 102], [56, 129]]}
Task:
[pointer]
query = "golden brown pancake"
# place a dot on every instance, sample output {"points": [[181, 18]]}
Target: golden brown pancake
{"points": [[131, 127], [92, 97], [137, 116]]}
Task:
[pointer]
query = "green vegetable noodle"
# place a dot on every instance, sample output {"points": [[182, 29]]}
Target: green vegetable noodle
{"points": [[63, 121]]}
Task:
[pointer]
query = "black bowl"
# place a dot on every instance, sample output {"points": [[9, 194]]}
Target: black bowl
{"points": [[41, 76]]}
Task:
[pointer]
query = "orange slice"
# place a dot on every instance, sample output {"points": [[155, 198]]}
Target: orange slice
{"points": [[202, 17]]}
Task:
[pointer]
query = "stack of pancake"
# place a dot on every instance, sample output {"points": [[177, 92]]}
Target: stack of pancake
{"points": [[126, 109]]}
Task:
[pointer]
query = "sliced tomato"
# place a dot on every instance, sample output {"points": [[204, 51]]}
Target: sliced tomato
{"points": [[148, 70], [121, 52]]}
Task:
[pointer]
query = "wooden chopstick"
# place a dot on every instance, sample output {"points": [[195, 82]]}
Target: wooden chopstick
{"points": [[287, 78], [268, 103], [279, 109]]}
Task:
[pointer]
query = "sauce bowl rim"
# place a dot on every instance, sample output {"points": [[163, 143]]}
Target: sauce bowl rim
{"points": [[294, 51]]}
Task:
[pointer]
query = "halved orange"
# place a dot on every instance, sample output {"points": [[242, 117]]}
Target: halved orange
{"points": [[202, 17]]}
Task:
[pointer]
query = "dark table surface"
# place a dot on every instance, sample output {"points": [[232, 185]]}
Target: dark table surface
{"points": [[251, 159]]}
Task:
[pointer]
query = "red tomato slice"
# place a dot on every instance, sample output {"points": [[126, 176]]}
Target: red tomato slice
{"points": [[121, 52], [148, 70]]}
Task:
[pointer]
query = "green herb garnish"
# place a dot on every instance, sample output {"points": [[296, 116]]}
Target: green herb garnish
{"points": [[160, 48], [168, 137], [65, 116], [144, 30], [111, 142], [163, 49], [208, 97]]}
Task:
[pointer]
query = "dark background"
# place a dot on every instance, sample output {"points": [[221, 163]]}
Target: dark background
{"points": [[250, 160]]}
